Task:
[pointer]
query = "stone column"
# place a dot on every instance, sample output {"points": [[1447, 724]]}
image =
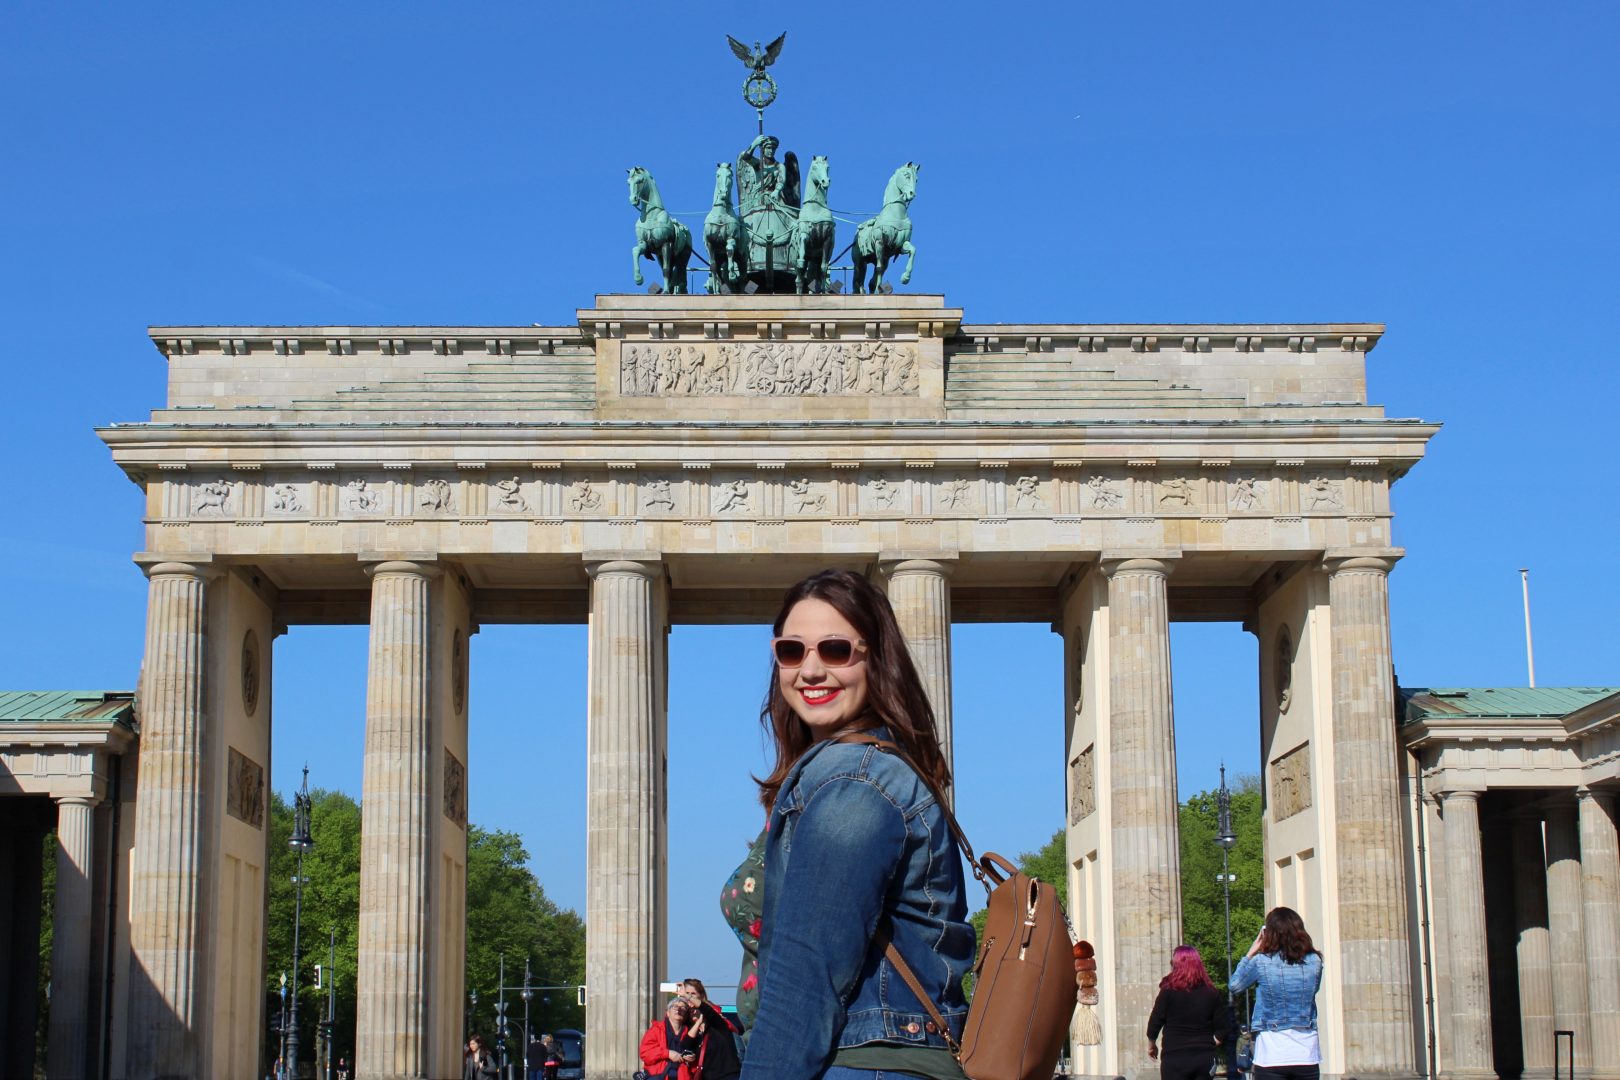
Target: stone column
{"points": [[168, 995], [625, 843], [1600, 903], [1567, 927], [1144, 833], [1465, 947], [920, 592], [392, 1021], [69, 1050], [1375, 958], [1534, 945]]}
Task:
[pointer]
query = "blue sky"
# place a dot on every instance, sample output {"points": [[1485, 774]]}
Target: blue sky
{"points": [[1447, 168]]}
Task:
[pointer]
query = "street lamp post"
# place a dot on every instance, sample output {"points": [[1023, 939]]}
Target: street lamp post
{"points": [[500, 1015], [1227, 840], [329, 1028], [300, 841], [281, 1032], [472, 1009], [526, 993]]}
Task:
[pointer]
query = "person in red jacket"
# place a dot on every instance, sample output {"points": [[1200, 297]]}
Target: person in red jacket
{"points": [[669, 1049]]}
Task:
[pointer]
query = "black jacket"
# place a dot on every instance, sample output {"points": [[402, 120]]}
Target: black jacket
{"points": [[480, 1067], [1193, 1021], [720, 1061]]}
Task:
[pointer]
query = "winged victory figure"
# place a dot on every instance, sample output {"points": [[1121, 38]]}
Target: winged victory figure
{"points": [[756, 58]]}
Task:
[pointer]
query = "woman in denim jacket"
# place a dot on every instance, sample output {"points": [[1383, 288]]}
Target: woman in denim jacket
{"points": [[1286, 967], [857, 853]]}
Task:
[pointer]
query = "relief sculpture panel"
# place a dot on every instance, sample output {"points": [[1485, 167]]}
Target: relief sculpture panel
{"points": [[769, 369], [1291, 783], [1082, 786], [244, 789]]}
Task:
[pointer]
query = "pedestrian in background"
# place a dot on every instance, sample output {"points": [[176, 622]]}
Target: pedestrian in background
{"points": [[1191, 1014], [669, 1049], [1286, 971], [718, 1059]]}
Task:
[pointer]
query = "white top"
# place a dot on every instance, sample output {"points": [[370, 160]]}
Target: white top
{"points": [[1291, 1046]]}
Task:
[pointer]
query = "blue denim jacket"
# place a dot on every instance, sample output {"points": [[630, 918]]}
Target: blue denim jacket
{"points": [[1286, 999], [855, 837]]}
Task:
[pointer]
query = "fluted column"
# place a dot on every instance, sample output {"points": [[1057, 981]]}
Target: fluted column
{"points": [[1376, 977], [68, 1051], [1567, 926], [1146, 845], [920, 593], [625, 843], [168, 994], [1534, 946], [1600, 903], [1465, 946], [391, 1027]]}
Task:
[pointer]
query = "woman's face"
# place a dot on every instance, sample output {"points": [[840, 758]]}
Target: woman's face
{"points": [[825, 698], [676, 1013]]}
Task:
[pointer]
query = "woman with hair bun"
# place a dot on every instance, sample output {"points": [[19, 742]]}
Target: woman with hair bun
{"points": [[1191, 1014], [1287, 971]]}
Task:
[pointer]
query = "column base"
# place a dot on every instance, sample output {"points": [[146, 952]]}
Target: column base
{"points": [[1467, 1074]]}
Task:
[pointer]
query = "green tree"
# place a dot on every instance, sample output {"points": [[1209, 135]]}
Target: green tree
{"points": [[1049, 864], [1202, 908], [508, 913]]}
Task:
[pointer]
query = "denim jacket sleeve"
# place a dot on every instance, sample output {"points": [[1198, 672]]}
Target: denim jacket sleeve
{"points": [[1245, 975], [846, 846]]}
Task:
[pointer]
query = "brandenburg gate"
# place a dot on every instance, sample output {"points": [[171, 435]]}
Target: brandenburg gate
{"points": [[674, 458]]}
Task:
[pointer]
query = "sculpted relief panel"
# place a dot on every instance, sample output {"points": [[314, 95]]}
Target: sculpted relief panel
{"points": [[1291, 783], [244, 789], [769, 369]]}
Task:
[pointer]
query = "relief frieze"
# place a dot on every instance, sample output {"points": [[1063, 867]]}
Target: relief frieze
{"points": [[1291, 783], [244, 789], [769, 369]]}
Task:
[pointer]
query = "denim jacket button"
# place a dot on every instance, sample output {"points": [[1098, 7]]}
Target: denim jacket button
{"points": [[913, 1028], [930, 1028]]}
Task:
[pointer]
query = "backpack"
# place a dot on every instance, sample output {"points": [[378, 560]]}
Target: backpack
{"points": [[1024, 988]]}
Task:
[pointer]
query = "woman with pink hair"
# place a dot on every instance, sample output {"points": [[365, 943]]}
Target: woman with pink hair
{"points": [[1192, 1015]]}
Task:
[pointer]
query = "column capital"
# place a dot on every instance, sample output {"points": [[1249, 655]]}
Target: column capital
{"points": [[1158, 562], [1361, 560], [1600, 796], [89, 802], [640, 564], [893, 563], [199, 567], [415, 564], [1458, 794]]}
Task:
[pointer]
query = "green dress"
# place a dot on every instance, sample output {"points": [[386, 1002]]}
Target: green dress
{"points": [[741, 901]]}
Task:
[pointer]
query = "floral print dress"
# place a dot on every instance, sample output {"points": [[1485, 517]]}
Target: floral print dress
{"points": [[742, 902]]}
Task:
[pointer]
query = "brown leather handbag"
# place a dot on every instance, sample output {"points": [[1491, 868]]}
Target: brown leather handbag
{"points": [[1024, 985]]}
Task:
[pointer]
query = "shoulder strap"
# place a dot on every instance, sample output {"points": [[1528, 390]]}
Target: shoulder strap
{"points": [[888, 747], [912, 981]]}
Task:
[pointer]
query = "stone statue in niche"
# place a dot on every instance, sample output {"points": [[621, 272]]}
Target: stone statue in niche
{"points": [[436, 496], [1027, 494], [1082, 787], [211, 497], [1244, 494], [769, 369], [1321, 492], [1291, 783], [458, 672], [659, 494], [805, 500], [1104, 496], [360, 496], [956, 494], [244, 789], [584, 496], [733, 495], [284, 497], [1177, 489], [250, 672], [510, 495], [884, 492]]}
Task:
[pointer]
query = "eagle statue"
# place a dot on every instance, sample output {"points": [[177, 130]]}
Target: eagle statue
{"points": [[756, 58]]}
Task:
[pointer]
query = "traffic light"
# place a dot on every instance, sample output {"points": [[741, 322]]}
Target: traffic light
{"points": [[317, 976]]}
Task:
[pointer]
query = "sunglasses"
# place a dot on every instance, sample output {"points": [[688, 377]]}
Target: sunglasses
{"points": [[834, 651]]}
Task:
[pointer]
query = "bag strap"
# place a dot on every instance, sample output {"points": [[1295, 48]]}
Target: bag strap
{"points": [[984, 870], [912, 981]]}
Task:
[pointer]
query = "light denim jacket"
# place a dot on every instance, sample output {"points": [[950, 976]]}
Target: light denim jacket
{"points": [[855, 837], [1286, 999]]}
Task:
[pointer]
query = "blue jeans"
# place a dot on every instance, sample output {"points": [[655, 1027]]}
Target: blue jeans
{"points": [[839, 1072]]}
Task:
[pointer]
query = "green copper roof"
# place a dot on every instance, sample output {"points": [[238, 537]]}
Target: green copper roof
{"points": [[1426, 702], [56, 706]]}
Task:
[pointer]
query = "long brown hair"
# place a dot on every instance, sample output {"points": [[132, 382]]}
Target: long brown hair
{"points": [[895, 697], [1285, 933]]}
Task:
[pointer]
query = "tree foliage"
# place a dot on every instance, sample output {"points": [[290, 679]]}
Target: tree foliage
{"points": [[507, 911], [1202, 909]]}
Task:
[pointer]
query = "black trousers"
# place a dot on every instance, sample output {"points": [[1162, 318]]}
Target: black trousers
{"points": [[1288, 1072], [1186, 1065]]}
